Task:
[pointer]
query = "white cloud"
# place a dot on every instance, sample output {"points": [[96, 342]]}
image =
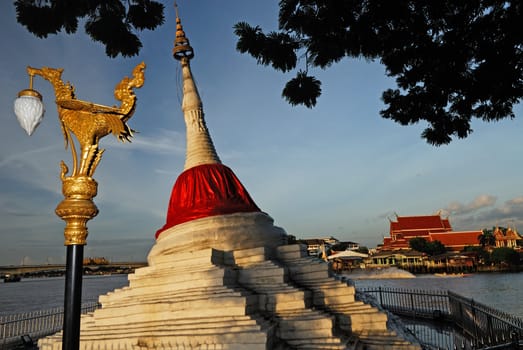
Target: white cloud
{"points": [[456, 208], [163, 142]]}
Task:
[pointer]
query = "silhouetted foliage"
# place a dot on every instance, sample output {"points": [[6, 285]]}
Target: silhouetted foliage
{"points": [[363, 250], [482, 254], [452, 60], [505, 255], [430, 248], [111, 22], [418, 243], [339, 247], [487, 238]]}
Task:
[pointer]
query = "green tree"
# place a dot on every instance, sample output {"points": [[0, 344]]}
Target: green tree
{"points": [[487, 238], [419, 244], [363, 250], [452, 60], [430, 248], [505, 255], [435, 248], [482, 254], [111, 22]]}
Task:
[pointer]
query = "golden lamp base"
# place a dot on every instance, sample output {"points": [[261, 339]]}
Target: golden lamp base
{"points": [[77, 208]]}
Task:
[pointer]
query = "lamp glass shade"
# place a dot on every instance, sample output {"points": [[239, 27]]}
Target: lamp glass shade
{"points": [[29, 111]]}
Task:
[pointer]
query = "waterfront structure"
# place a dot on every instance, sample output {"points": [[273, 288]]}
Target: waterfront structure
{"points": [[417, 262], [401, 258], [317, 246], [507, 238], [452, 262], [346, 260], [430, 227], [221, 276]]}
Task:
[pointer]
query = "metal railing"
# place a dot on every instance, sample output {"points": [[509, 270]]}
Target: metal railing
{"points": [[483, 327], [35, 324], [486, 325]]}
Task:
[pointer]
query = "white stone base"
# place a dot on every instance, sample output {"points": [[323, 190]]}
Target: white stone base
{"points": [[230, 283]]}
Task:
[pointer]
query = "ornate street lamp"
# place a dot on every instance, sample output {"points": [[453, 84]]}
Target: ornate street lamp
{"points": [[88, 122]]}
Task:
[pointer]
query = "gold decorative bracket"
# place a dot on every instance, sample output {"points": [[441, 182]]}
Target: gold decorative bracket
{"points": [[88, 122]]}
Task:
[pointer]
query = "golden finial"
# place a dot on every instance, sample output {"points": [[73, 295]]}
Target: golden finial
{"points": [[182, 48]]}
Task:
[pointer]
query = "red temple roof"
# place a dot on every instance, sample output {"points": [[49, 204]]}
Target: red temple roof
{"points": [[430, 227], [425, 222], [456, 239]]}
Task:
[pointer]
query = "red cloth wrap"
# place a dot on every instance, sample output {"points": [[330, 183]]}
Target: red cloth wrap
{"points": [[206, 190]]}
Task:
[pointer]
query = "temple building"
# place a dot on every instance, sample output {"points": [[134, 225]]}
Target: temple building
{"points": [[430, 227], [507, 238]]}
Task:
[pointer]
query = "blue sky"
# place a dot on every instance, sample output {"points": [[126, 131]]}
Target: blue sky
{"points": [[336, 170]]}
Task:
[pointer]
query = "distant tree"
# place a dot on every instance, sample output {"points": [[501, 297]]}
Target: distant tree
{"points": [[363, 250], [111, 22], [338, 247], [430, 248], [419, 244], [435, 248], [483, 255], [503, 229], [452, 60], [505, 255], [487, 238]]}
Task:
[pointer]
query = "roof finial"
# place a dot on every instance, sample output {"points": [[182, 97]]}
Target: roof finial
{"points": [[182, 48]]}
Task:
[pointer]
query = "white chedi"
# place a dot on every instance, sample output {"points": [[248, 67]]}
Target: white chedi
{"points": [[29, 111]]}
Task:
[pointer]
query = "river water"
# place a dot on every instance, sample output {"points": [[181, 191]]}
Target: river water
{"points": [[502, 291], [32, 294]]}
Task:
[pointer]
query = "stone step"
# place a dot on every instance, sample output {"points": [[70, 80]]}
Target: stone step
{"points": [[152, 294], [246, 257], [350, 306], [320, 300], [163, 310], [353, 322], [363, 345], [330, 284], [318, 344], [180, 273], [238, 340], [384, 338], [308, 278], [184, 301], [291, 251], [281, 307], [368, 333], [204, 327], [278, 288], [194, 257], [180, 282], [319, 334], [311, 323], [261, 276]]}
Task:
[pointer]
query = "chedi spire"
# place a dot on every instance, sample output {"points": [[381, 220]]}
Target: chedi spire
{"points": [[200, 149], [206, 187]]}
